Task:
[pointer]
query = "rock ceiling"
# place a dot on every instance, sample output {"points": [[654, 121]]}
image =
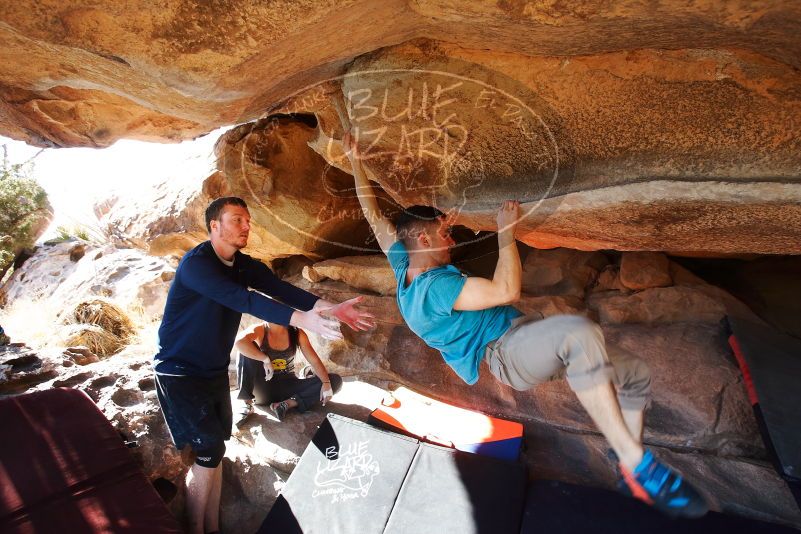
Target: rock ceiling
{"points": [[639, 126]]}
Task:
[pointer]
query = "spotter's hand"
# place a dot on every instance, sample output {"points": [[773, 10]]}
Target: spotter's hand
{"points": [[356, 319]]}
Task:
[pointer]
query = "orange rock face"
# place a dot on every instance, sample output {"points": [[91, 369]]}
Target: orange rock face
{"points": [[660, 126], [175, 70], [298, 202]]}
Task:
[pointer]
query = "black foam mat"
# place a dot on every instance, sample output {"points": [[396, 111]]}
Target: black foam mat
{"points": [[564, 508], [774, 362]]}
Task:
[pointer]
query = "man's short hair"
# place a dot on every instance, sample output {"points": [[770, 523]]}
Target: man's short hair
{"points": [[411, 221], [215, 209]]}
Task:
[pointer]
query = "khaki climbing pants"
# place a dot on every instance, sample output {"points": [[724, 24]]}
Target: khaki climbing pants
{"points": [[536, 350]]}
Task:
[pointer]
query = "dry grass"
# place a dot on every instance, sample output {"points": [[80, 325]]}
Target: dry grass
{"points": [[96, 339], [105, 315], [100, 325]]}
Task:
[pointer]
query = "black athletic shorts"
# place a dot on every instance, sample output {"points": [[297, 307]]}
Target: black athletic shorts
{"points": [[197, 410]]}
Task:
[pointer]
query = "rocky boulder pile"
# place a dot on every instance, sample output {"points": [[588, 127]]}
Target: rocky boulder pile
{"points": [[700, 417]]}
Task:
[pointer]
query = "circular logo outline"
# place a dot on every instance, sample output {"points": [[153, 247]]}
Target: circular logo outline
{"points": [[352, 74]]}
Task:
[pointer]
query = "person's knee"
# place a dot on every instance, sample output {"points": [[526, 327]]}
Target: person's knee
{"points": [[639, 384], [336, 382], [210, 457], [583, 327], [586, 341], [634, 385]]}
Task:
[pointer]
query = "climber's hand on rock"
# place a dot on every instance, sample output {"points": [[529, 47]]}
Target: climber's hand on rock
{"points": [[350, 145], [508, 217]]}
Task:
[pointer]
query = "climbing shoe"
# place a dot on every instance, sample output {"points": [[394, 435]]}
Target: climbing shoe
{"points": [[245, 410], [279, 409], [658, 485]]}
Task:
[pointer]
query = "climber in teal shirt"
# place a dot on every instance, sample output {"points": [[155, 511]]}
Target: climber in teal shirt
{"points": [[426, 304], [470, 320]]}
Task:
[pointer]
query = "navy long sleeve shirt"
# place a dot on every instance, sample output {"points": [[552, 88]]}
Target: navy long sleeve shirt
{"points": [[205, 304]]}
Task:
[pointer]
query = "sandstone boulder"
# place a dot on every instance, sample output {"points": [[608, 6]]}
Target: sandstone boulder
{"points": [[546, 306], [699, 411], [609, 280], [699, 398], [298, 202], [561, 272], [22, 368], [87, 76], [544, 146], [264, 452], [51, 282], [249, 487], [658, 305], [372, 273], [644, 270], [80, 355], [732, 485], [696, 354], [166, 219]]}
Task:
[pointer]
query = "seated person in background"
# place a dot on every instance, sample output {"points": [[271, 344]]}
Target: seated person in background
{"points": [[266, 370]]}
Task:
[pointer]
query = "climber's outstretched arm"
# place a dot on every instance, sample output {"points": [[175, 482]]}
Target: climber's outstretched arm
{"points": [[382, 227]]}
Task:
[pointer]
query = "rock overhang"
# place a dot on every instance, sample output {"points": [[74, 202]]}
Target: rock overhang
{"points": [[661, 127], [200, 66]]}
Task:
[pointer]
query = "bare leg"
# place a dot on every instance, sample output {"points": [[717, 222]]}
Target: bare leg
{"points": [[601, 404], [212, 516], [633, 419], [199, 482]]}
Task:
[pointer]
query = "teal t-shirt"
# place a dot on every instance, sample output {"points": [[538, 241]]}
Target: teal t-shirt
{"points": [[427, 306]]}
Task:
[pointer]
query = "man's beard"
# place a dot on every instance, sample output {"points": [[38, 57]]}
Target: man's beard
{"points": [[234, 239]]}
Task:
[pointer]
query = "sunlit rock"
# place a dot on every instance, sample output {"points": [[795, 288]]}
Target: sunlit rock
{"points": [[372, 273]]}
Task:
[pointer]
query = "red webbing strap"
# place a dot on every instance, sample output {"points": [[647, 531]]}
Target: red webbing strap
{"points": [[749, 383]]}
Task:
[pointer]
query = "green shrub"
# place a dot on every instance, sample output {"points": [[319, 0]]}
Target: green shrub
{"points": [[24, 210], [65, 233]]}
